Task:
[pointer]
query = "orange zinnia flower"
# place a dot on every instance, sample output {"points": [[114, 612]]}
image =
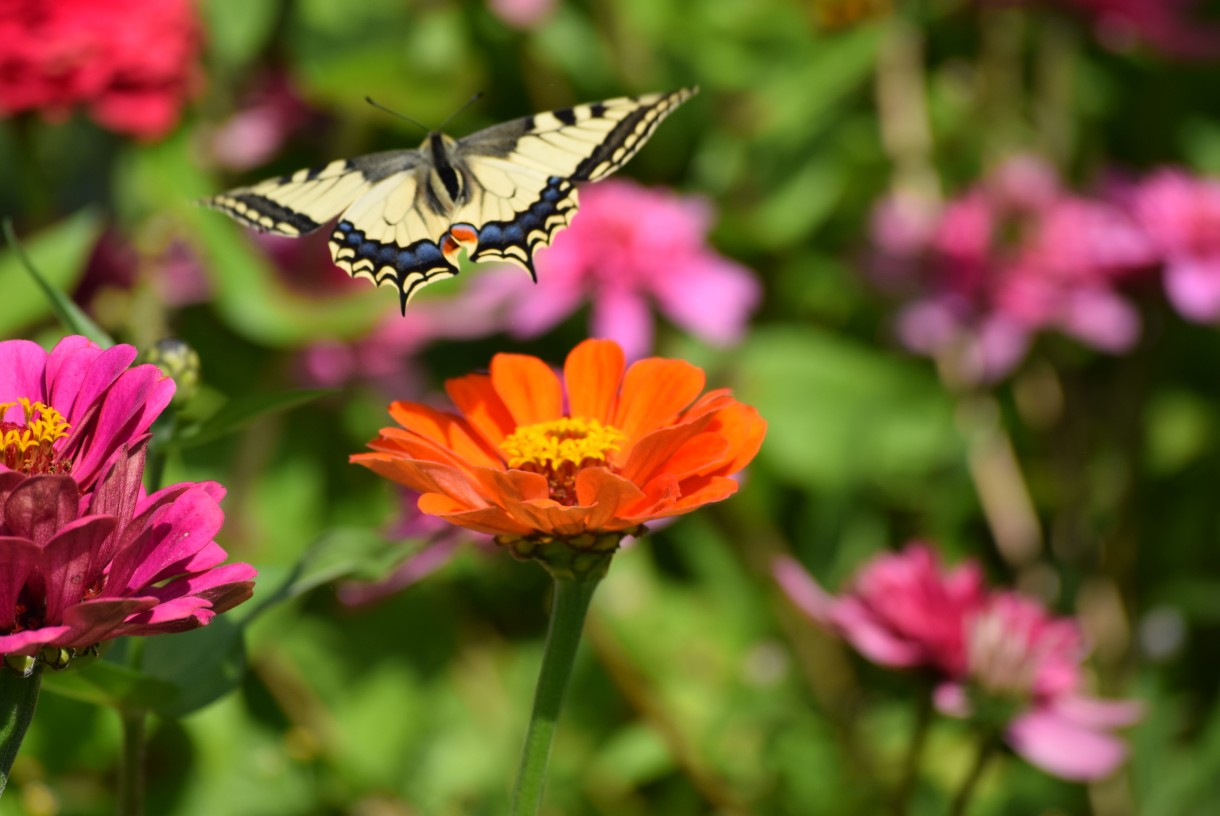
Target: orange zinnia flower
{"points": [[602, 451]]}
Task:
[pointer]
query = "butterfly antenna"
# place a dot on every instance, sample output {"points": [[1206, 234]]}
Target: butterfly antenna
{"points": [[462, 109], [393, 112]]}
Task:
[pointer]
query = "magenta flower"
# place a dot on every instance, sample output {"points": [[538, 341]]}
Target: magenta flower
{"points": [[1181, 214], [1010, 258], [631, 246], [85, 555], [901, 610], [993, 655], [1026, 661], [1170, 26], [131, 62], [72, 410]]}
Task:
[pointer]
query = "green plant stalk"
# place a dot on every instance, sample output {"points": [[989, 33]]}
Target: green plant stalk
{"points": [[18, 698], [131, 770], [568, 610], [988, 747]]}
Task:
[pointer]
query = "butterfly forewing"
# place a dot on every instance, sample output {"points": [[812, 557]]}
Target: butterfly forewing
{"points": [[499, 194]]}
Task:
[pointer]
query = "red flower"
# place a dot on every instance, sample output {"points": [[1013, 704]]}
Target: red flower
{"points": [[131, 62], [602, 450]]}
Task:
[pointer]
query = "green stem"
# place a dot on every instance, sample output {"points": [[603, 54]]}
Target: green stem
{"points": [[131, 770], [570, 605], [987, 749], [910, 771], [18, 698]]}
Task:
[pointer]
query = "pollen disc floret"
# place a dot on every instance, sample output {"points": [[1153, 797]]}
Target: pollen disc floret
{"points": [[27, 445]]}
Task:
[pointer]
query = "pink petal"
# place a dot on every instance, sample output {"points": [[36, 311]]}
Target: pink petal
{"points": [[711, 297], [1193, 286], [21, 373], [1064, 748], [39, 506], [800, 587], [623, 316], [31, 641], [17, 559], [68, 566]]}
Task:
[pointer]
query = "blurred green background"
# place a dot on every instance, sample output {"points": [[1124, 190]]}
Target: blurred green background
{"points": [[699, 690]]}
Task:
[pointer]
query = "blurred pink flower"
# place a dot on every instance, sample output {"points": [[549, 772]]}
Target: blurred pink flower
{"points": [[901, 610], [630, 245], [995, 655], [267, 115], [522, 13], [1170, 26], [131, 62], [85, 555], [1029, 661], [1181, 214], [1010, 258]]}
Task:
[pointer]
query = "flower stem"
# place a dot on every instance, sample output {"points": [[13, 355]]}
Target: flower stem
{"points": [[910, 771], [18, 698], [568, 610], [131, 770], [987, 749]]}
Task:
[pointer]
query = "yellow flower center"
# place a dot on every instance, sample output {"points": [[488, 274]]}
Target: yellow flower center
{"points": [[27, 446], [560, 448]]}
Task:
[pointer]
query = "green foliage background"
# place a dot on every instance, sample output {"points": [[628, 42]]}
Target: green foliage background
{"points": [[700, 690]]}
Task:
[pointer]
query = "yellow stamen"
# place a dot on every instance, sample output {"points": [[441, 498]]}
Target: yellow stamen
{"points": [[27, 446], [569, 441]]}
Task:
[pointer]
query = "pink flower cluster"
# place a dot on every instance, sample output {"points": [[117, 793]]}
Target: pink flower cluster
{"points": [[989, 651], [131, 62], [85, 554], [1018, 254], [1170, 26]]}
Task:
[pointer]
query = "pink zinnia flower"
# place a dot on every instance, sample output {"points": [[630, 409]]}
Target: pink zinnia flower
{"points": [[1026, 661], [994, 655], [1182, 217], [85, 556], [131, 62], [629, 247], [1008, 259], [901, 610]]}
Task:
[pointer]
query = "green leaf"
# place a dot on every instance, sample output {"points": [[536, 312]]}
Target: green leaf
{"points": [[839, 413], [335, 554], [59, 254], [105, 682], [201, 665], [239, 412]]}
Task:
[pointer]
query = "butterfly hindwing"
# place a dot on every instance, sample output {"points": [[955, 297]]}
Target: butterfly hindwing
{"points": [[499, 194]]}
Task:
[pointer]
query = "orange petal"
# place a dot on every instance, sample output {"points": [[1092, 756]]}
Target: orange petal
{"points": [[425, 477], [512, 485], [529, 389], [591, 375], [659, 495], [403, 444], [604, 493], [446, 430], [697, 455], [745, 429], [651, 454], [654, 392], [475, 397], [556, 519], [490, 520]]}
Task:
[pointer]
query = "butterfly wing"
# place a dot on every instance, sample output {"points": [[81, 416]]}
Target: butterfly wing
{"points": [[298, 203], [524, 172]]}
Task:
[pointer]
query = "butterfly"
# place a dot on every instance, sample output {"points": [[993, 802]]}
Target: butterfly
{"points": [[499, 193]]}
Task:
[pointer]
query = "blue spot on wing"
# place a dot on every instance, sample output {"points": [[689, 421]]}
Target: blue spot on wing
{"points": [[410, 267], [527, 230]]}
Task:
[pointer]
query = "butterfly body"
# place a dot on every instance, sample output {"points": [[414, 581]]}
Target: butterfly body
{"points": [[405, 216]]}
